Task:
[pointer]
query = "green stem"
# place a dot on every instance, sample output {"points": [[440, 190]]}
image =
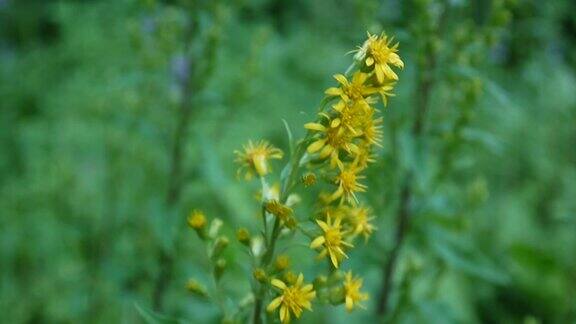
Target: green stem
{"points": [[287, 186]]}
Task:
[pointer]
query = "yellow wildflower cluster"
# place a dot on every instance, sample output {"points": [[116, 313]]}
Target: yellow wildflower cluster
{"points": [[338, 147], [346, 134]]}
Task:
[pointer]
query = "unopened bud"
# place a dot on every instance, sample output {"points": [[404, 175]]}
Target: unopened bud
{"points": [[336, 295], [243, 236], [215, 227], [196, 288], [197, 221], [219, 246], [309, 179], [282, 262], [260, 275], [219, 268], [320, 281], [290, 277]]}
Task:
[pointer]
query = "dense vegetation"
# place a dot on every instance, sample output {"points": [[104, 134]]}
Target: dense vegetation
{"points": [[118, 118]]}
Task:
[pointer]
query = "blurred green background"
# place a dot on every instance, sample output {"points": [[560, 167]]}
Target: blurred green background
{"points": [[119, 117]]}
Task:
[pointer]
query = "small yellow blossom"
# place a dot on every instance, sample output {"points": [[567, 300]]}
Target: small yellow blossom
{"points": [[348, 185], [379, 53], [365, 157], [309, 179], [292, 299], [354, 90], [254, 158], [353, 294], [197, 220], [332, 239], [360, 220], [334, 139], [283, 212]]}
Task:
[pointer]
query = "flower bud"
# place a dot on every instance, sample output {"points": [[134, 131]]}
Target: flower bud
{"points": [[282, 262], [197, 221], [309, 179], [243, 236], [219, 268], [290, 277], [215, 227], [320, 281], [196, 288], [219, 245], [336, 296], [260, 275], [257, 246]]}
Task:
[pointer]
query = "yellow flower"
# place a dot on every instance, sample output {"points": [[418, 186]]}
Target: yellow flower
{"points": [[334, 139], [254, 158], [372, 131], [197, 220], [348, 185], [352, 290], [360, 220], [366, 156], [292, 299], [332, 239], [379, 53], [309, 179], [281, 211], [355, 90]]}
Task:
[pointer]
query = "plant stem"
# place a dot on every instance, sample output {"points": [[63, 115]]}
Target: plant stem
{"points": [[174, 188], [271, 245]]}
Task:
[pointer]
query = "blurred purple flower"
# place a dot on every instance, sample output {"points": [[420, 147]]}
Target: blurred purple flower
{"points": [[148, 24], [180, 68]]}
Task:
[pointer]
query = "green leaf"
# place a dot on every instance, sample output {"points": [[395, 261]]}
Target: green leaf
{"points": [[290, 137], [152, 317]]}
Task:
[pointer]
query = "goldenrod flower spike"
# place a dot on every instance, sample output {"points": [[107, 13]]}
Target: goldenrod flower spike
{"points": [[332, 239], [254, 158], [353, 295], [292, 299]]}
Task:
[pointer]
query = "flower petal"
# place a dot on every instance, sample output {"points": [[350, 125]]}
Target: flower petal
{"points": [[317, 242], [278, 283], [274, 304]]}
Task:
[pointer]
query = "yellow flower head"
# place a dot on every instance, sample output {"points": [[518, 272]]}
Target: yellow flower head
{"points": [[281, 211], [334, 139], [360, 219], [332, 239], [353, 295], [379, 52], [309, 179], [254, 158], [365, 157], [372, 131], [355, 90], [197, 220], [348, 185], [292, 299]]}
